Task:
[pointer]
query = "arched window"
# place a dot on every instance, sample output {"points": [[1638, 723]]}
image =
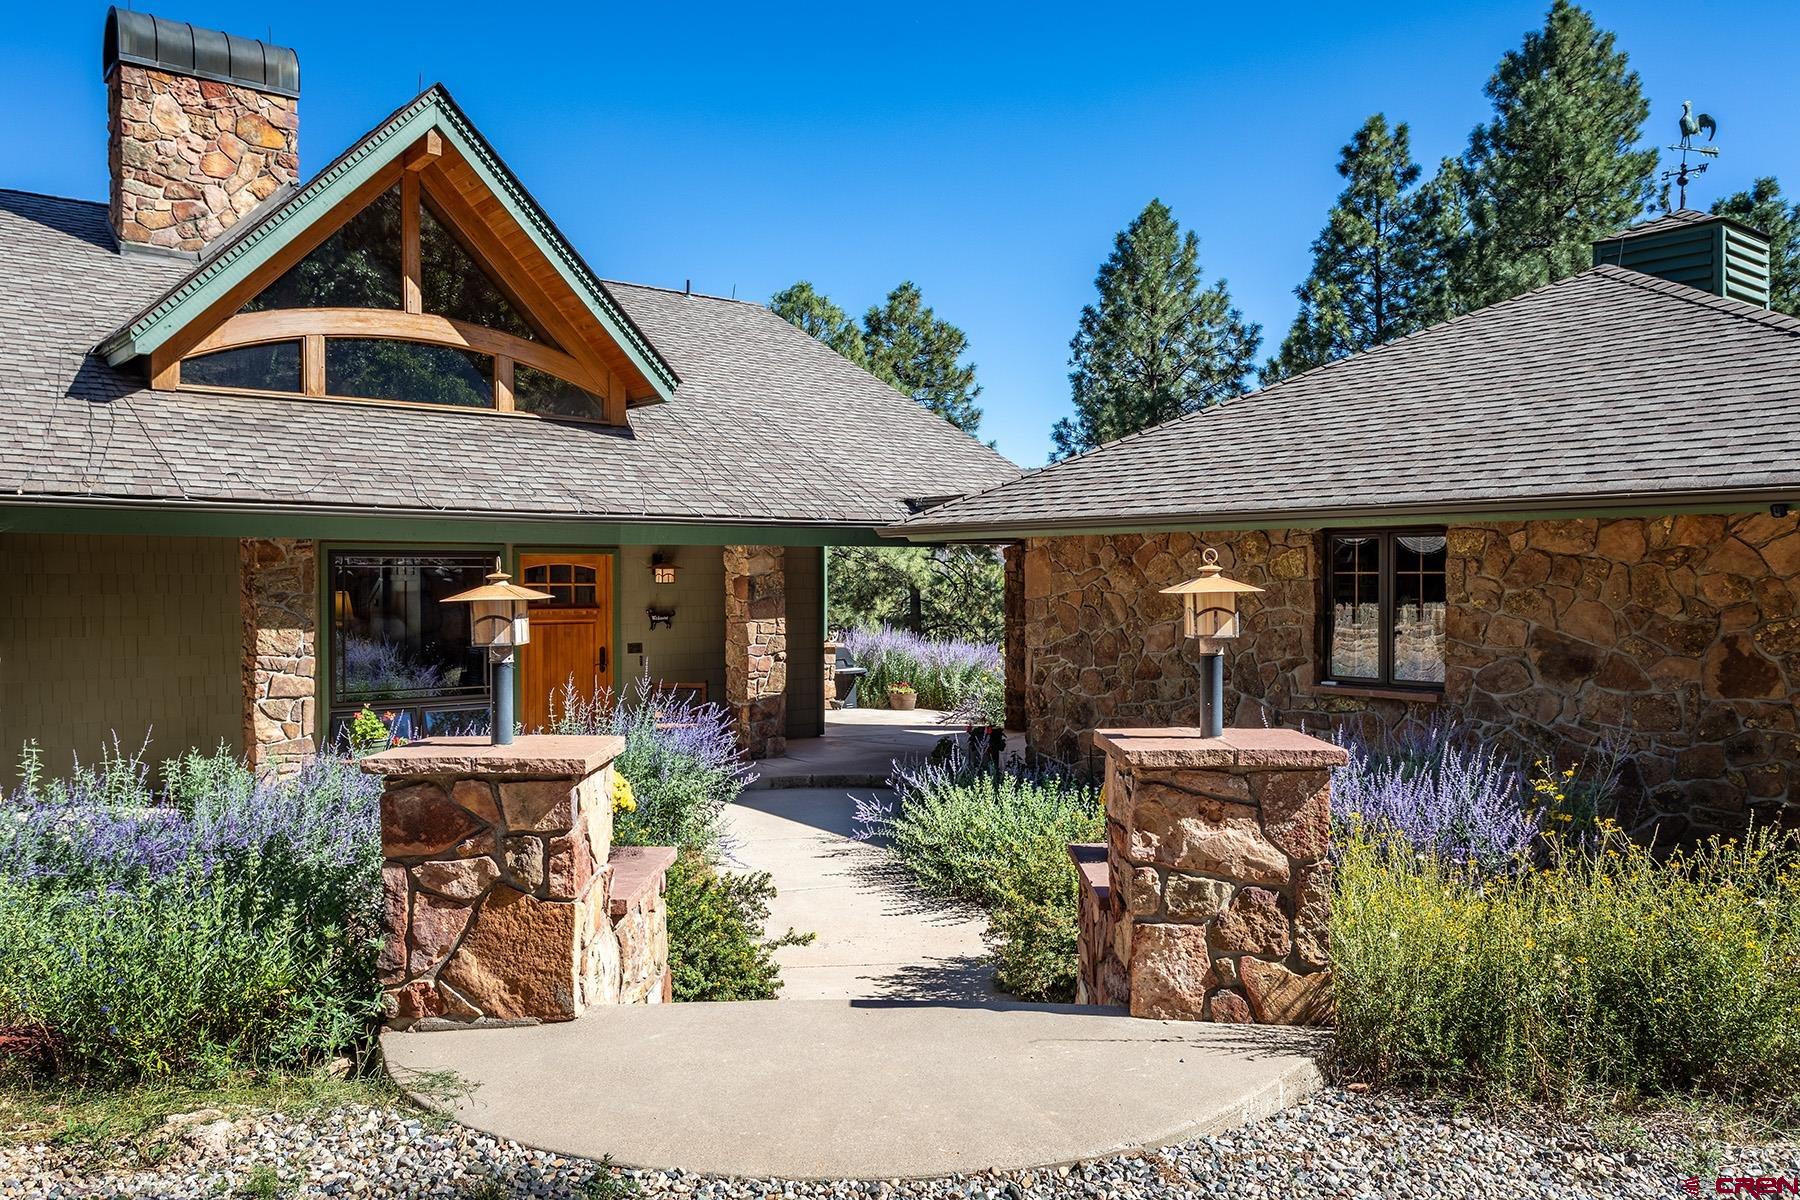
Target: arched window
{"points": [[394, 305]]}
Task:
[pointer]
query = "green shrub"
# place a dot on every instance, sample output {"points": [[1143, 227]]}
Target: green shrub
{"points": [[717, 950], [960, 832], [220, 923], [1001, 842], [188, 974], [1606, 968], [1034, 924]]}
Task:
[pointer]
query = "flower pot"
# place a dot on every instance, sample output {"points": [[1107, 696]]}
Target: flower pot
{"points": [[904, 701]]}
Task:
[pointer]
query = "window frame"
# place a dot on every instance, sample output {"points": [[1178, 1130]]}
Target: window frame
{"points": [[331, 709], [245, 327], [1385, 589]]}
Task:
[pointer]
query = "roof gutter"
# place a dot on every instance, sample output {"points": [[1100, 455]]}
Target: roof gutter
{"points": [[1532, 507], [111, 504]]}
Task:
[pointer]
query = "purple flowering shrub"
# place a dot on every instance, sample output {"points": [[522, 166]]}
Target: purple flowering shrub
{"points": [[942, 670], [681, 756], [1442, 792], [212, 922]]}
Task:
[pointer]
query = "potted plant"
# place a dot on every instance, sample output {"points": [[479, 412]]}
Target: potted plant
{"points": [[982, 713], [902, 696]]}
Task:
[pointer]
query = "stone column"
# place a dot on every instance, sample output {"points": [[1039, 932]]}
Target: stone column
{"points": [[756, 647], [1013, 611], [279, 600], [1219, 891], [497, 880], [831, 652]]}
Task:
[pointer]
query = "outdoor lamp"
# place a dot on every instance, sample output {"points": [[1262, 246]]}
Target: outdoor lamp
{"points": [[1209, 609], [499, 620], [662, 570]]}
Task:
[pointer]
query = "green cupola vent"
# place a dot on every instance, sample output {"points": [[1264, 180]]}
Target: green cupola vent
{"points": [[1715, 254]]}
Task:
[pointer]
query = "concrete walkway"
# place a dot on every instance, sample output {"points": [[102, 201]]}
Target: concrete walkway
{"points": [[876, 937], [829, 1089]]}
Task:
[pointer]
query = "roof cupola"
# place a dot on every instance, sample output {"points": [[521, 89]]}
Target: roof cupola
{"points": [[1716, 254]]}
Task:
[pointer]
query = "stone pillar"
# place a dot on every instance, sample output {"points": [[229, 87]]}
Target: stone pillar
{"points": [[279, 600], [831, 652], [499, 884], [756, 647], [1013, 611], [1219, 891]]}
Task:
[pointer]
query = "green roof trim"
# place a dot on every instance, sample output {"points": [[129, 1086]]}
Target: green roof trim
{"points": [[171, 520], [431, 109]]}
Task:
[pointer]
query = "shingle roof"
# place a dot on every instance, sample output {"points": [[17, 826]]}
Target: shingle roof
{"points": [[1608, 389], [768, 425]]}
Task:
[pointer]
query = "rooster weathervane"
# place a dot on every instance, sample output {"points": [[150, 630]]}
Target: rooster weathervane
{"points": [[1691, 124]]}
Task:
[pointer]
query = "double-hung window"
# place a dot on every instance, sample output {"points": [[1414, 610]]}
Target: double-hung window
{"points": [[1383, 611]]}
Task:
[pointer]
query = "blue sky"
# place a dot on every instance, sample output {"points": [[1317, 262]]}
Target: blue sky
{"points": [[988, 152]]}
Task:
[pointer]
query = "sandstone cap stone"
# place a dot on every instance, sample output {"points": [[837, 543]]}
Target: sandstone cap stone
{"points": [[534, 756], [1243, 749]]}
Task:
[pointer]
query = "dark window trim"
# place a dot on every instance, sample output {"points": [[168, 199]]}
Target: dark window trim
{"points": [[1327, 609], [329, 707]]}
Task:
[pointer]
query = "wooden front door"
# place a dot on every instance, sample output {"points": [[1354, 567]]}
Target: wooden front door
{"points": [[571, 635]]}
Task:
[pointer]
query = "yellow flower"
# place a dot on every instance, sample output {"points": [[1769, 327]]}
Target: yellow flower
{"points": [[622, 798]]}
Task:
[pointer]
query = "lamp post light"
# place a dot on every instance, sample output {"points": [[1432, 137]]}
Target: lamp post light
{"points": [[1209, 608], [499, 619]]}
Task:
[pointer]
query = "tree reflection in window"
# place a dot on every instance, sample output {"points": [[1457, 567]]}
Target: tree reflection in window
{"points": [[384, 369], [272, 367], [356, 267], [540, 392], [454, 285]]}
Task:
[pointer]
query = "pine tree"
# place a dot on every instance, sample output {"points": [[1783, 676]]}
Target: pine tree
{"points": [[1156, 344], [1379, 264], [911, 348], [1763, 207], [1555, 169], [803, 307]]}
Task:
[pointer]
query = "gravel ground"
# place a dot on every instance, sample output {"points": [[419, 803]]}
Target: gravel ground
{"points": [[1335, 1145]]}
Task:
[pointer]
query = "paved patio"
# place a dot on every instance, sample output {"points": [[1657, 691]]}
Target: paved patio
{"points": [[859, 747]]}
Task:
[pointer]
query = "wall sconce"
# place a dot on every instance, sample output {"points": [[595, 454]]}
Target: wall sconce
{"points": [[661, 618], [662, 569]]}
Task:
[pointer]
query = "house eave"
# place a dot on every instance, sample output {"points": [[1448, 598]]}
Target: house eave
{"points": [[96, 514], [1511, 508]]}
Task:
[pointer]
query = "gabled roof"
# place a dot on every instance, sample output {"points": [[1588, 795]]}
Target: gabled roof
{"points": [[1611, 389], [771, 427], [253, 242]]}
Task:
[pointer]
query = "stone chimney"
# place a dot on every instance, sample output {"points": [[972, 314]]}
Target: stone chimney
{"points": [[203, 127], [1716, 254]]}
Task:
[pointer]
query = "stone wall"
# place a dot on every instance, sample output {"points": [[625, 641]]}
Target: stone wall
{"points": [[1217, 898], [278, 605], [756, 647], [504, 900], [1676, 639], [190, 157]]}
